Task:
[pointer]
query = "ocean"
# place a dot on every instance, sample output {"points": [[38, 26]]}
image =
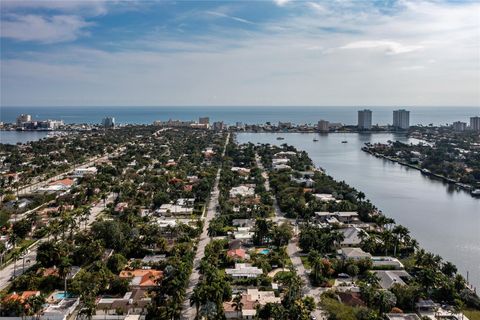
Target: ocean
{"points": [[231, 114]]}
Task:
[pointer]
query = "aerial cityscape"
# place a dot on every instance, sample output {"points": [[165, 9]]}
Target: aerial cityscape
{"points": [[277, 160]]}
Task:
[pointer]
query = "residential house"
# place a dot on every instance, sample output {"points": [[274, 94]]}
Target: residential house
{"points": [[237, 254], [250, 300], [245, 190], [142, 278], [354, 253], [387, 263], [352, 236], [390, 277], [133, 302], [244, 270]]}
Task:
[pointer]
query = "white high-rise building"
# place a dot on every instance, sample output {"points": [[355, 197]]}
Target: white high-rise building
{"points": [[364, 119], [23, 118], [401, 119], [475, 123], [323, 126], [108, 122]]}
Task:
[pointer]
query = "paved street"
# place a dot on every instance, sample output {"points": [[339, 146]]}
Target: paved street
{"points": [[293, 250], [188, 312], [30, 258]]}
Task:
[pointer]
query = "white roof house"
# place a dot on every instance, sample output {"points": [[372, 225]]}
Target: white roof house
{"points": [[325, 197], [390, 277], [309, 182], [354, 253], [277, 161], [243, 191], [244, 270], [281, 166], [387, 262], [174, 209], [351, 236], [80, 172]]}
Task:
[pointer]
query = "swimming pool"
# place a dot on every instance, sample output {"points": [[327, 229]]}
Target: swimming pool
{"points": [[265, 251], [61, 295]]}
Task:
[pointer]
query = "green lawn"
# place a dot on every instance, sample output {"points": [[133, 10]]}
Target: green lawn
{"points": [[472, 314]]}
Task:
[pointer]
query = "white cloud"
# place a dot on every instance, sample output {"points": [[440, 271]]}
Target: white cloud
{"points": [[431, 58], [281, 3], [58, 28], [390, 47], [90, 7], [223, 15]]}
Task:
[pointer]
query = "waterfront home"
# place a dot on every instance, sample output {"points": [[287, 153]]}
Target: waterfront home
{"points": [[244, 190], [344, 217], [308, 182], [348, 217], [243, 270], [387, 263], [277, 161], [390, 277], [354, 253], [142, 278], [281, 166], [352, 236], [285, 154], [325, 197]]}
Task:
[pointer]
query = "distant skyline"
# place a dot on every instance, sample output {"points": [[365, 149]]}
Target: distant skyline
{"points": [[230, 53]]}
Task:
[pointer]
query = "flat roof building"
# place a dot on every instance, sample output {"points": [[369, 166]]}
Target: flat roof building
{"points": [[401, 119], [364, 119]]}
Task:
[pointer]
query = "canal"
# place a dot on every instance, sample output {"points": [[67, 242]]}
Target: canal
{"points": [[444, 220]]}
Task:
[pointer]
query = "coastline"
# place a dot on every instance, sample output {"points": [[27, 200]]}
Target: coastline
{"points": [[427, 173]]}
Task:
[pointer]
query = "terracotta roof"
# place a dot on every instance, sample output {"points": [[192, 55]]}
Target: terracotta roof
{"points": [[247, 304], [145, 277], [236, 253], [66, 182]]}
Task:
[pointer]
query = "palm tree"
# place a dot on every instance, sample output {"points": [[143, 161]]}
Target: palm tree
{"points": [[401, 234], [196, 299], [237, 303], [63, 271]]}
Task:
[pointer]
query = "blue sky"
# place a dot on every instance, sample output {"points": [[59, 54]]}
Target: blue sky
{"points": [[279, 52]]}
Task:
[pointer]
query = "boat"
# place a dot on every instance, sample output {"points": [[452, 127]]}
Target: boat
{"points": [[475, 192], [344, 141], [426, 171], [280, 138], [315, 140]]}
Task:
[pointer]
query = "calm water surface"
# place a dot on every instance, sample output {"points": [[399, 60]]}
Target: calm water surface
{"points": [[444, 220], [14, 137]]}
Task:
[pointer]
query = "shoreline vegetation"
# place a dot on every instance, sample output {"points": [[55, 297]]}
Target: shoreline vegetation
{"points": [[453, 157]]}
